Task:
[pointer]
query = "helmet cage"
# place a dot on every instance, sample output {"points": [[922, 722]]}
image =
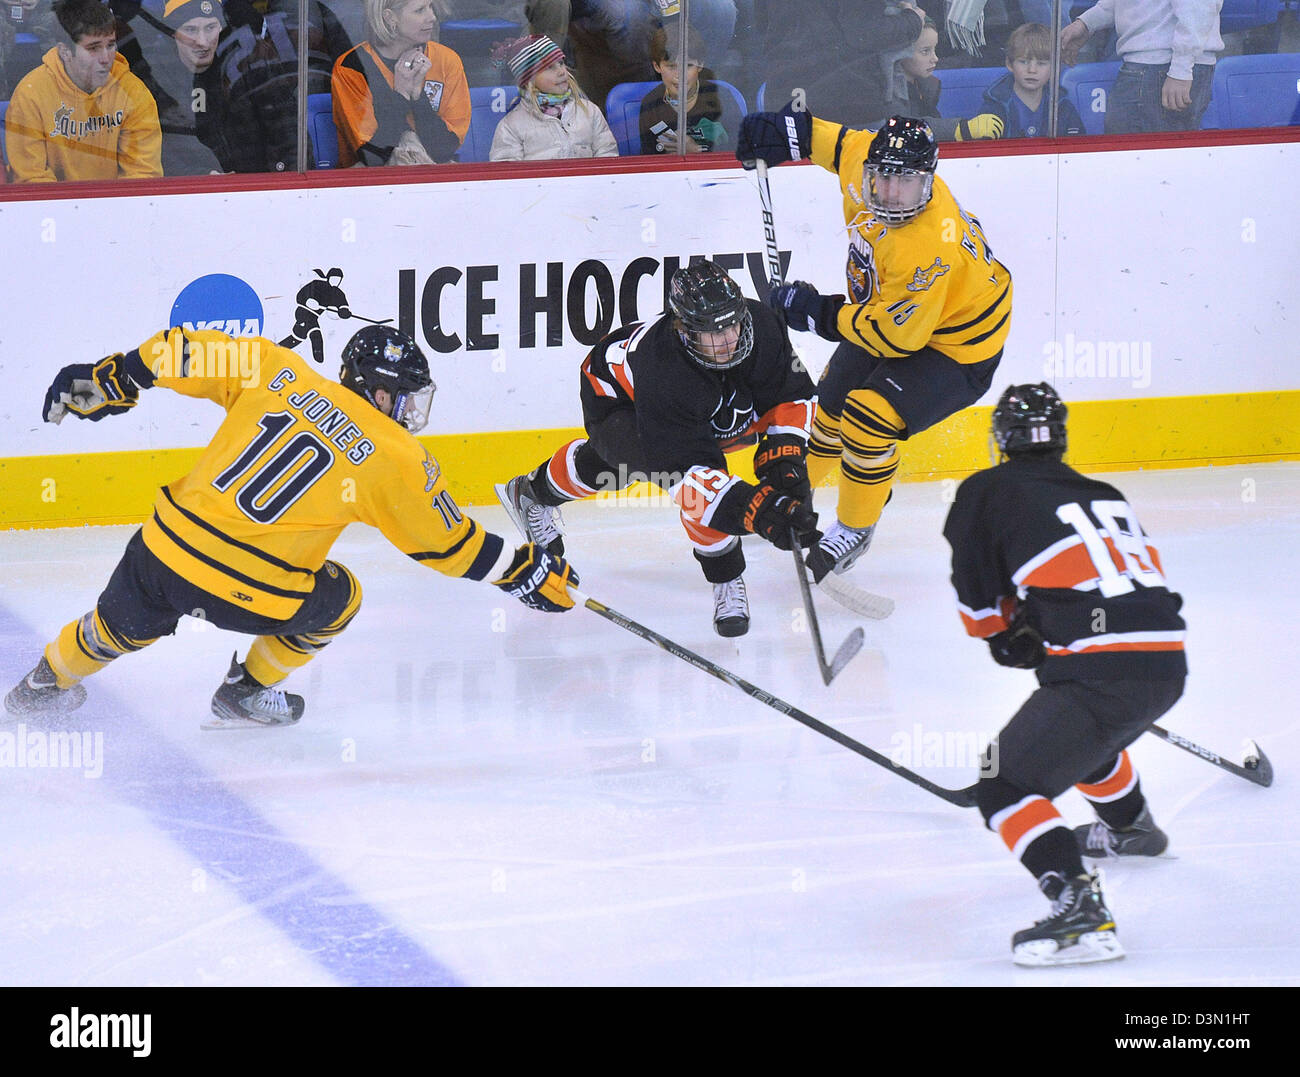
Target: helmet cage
{"points": [[706, 353], [889, 213]]}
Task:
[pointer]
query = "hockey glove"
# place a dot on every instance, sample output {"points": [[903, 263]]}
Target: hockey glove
{"points": [[91, 392], [985, 125], [781, 461], [1019, 647], [539, 580], [774, 137], [771, 515], [806, 310]]}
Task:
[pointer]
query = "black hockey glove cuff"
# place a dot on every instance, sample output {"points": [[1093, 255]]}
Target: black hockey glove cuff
{"points": [[1019, 647], [781, 461], [772, 516], [539, 580], [774, 137], [806, 310], [91, 391]]}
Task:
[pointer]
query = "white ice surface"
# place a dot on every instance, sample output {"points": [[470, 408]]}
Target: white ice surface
{"points": [[481, 794]]}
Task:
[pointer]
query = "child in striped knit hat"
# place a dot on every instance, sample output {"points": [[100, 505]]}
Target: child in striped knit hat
{"points": [[552, 118]]}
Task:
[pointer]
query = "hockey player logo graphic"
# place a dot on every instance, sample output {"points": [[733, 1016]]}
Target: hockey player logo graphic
{"points": [[1054, 571], [244, 536], [662, 401], [928, 310], [317, 297]]}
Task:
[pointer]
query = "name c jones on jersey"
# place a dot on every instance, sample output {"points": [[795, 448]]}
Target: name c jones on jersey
{"points": [[549, 296]]}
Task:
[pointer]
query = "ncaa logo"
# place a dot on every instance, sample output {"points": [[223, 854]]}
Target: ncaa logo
{"points": [[219, 301]]}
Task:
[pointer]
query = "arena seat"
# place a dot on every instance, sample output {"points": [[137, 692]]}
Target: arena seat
{"points": [[1261, 90], [320, 129], [488, 104], [962, 92], [1089, 87], [1247, 14]]}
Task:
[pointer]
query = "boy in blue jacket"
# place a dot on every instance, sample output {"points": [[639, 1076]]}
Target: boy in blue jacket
{"points": [[1021, 97]]}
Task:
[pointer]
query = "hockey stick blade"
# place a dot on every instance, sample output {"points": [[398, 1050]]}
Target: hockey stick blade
{"points": [[1257, 769], [863, 603], [962, 798], [848, 648]]}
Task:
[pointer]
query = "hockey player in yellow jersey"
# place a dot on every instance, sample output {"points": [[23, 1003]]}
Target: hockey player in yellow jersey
{"points": [[922, 328], [243, 538]]}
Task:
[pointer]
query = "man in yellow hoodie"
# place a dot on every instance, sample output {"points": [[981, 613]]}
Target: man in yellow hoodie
{"points": [[82, 115]]}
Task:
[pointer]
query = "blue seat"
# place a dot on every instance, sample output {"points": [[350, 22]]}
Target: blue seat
{"points": [[1247, 14], [320, 129], [962, 93], [1089, 87], [475, 37], [1256, 91], [488, 104], [623, 109]]}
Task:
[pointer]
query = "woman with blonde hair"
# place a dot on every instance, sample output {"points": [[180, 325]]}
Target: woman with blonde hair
{"points": [[552, 119], [400, 97]]}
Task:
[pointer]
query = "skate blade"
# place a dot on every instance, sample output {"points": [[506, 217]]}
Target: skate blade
{"points": [[232, 721], [506, 504], [1088, 948], [65, 702]]}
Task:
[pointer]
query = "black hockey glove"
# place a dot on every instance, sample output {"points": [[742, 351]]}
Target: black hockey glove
{"points": [[771, 515], [774, 137], [1019, 647], [539, 580], [91, 391], [806, 310], [781, 461]]}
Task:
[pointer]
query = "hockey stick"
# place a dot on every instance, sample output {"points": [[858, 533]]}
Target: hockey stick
{"points": [[851, 646], [861, 602], [1256, 766], [962, 798]]}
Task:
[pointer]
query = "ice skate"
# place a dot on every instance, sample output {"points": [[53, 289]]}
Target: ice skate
{"points": [[1079, 930], [1099, 841], [242, 703], [838, 549], [536, 522], [730, 608], [39, 693]]}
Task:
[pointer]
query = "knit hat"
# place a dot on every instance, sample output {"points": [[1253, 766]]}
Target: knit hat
{"points": [[527, 56], [176, 13]]}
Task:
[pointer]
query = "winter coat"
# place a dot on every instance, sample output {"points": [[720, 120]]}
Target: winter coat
{"points": [[526, 133], [998, 99]]}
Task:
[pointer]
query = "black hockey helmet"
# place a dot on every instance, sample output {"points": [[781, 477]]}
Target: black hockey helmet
{"points": [[705, 300], [382, 357], [1029, 419], [904, 147]]}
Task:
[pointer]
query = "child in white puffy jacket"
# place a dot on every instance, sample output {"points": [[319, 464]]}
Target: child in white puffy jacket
{"points": [[551, 119]]}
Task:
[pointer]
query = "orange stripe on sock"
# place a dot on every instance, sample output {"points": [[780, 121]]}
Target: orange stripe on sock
{"points": [[1034, 814], [563, 474], [1119, 782]]}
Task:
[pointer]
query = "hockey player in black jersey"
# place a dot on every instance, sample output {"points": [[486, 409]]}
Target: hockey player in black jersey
{"points": [[663, 401], [1053, 569]]}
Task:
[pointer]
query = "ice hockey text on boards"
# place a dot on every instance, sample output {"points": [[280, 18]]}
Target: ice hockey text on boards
{"points": [[76, 1029]]}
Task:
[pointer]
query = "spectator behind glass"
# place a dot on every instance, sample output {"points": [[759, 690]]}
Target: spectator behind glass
{"points": [[1020, 98], [259, 68], [82, 115], [830, 56], [712, 118], [1168, 52], [181, 73], [35, 17], [611, 38], [400, 97], [552, 118]]}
